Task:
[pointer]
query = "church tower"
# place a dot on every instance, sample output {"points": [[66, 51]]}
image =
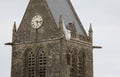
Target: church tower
{"points": [[51, 42]]}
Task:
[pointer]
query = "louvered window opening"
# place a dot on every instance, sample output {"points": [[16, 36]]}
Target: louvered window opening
{"points": [[31, 64], [80, 64], [72, 63], [42, 64]]}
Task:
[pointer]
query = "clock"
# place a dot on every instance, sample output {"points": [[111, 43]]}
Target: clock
{"points": [[36, 21]]}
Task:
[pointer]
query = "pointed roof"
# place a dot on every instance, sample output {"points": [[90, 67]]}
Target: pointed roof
{"points": [[65, 8], [49, 10]]}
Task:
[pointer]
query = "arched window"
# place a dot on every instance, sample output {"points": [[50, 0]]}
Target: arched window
{"points": [[42, 63], [80, 64], [30, 63]]}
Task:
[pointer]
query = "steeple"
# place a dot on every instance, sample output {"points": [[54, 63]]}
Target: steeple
{"points": [[47, 38]]}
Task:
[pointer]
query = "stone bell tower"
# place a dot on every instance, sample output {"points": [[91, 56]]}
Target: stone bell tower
{"points": [[51, 42]]}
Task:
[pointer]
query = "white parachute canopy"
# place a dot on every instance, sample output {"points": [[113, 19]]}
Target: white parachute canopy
{"points": [[66, 32]]}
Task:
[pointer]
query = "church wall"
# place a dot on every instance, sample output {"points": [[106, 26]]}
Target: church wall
{"points": [[53, 52], [86, 48]]}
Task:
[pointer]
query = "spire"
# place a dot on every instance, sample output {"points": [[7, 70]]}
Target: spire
{"points": [[90, 31], [14, 32]]}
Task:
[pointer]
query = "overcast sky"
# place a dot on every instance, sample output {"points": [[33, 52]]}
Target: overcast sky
{"points": [[104, 16]]}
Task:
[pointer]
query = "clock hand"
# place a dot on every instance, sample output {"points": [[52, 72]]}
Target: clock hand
{"points": [[38, 22]]}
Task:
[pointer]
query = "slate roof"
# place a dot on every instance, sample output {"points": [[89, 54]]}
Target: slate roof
{"points": [[65, 8]]}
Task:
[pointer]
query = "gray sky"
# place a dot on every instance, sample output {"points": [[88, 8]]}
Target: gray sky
{"points": [[104, 16]]}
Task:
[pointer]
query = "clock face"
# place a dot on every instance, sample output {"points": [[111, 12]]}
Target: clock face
{"points": [[36, 21]]}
